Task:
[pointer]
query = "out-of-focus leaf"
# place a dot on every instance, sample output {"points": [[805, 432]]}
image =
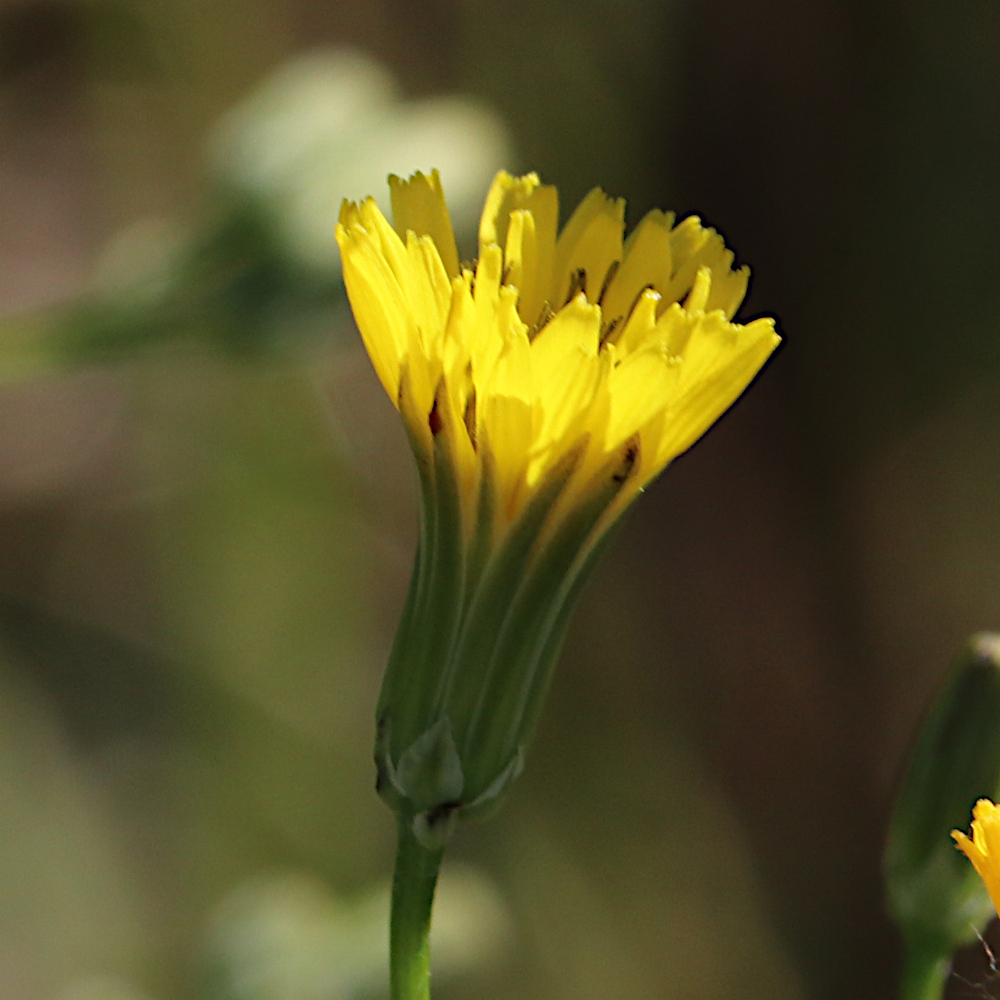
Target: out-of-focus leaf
{"points": [[68, 904], [102, 686], [265, 585]]}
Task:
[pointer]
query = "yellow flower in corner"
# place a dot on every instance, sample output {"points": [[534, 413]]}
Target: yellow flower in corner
{"points": [[983, 847], [542, 387]]}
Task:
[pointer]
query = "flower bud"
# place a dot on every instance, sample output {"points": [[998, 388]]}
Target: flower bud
{"points": [[933, 893], [542, 388]]}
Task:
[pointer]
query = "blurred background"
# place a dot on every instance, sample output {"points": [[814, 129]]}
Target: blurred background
{"points": [[208, 509]]}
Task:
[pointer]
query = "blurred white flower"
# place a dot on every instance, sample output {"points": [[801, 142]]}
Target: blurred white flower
{"points": [[286, 937], [101, 988], [322, 127]]}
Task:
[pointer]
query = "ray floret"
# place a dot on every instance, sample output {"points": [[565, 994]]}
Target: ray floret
{"points": [[982, 848]]}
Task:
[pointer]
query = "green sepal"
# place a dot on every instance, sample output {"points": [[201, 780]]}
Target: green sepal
{"points": [[497, 584], [426, 788], [489, 801], [417, 595], [385, 771], [429, 772], [524, 650], [555, 631], [407, 619], [433, 828], [484, 538], [420, 658], [483, 626]]}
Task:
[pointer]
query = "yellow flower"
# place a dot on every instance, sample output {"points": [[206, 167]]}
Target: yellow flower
{"points": [[542, 387], [548, 344], [983, 847]]}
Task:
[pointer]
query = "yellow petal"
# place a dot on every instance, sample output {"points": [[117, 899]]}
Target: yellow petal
{"points": [[512, 373], [350, 214], [418, 205], [457, 356], [616, 469], [589, 245], [484, 336], [423, 373], [415, 411], [428, 293], [508, 197], [506, 424], [378, 304], [510, 194], [385, 238], [506, 193], [543, 204], [694, 246], [489, 271], [647, 262], [697, 298], [714, 342], [521, 265], [674, 328], [507, 433], [450, 420], [718, 365], [983, 848], [640, 387], [729, 288], [641, 324], [565, 370]]}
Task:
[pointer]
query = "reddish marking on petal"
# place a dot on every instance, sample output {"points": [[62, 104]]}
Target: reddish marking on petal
{"points": [[434, 420]]}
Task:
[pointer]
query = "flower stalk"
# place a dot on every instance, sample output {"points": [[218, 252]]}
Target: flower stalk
{"points": [[413, 885]]}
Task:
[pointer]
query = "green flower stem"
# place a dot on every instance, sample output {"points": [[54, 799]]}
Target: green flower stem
{"points": [[410, 925], [924, 977]]}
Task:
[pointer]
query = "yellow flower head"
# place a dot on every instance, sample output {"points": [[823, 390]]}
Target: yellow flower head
{"points": [[983, 847], [542, 387], [549, 345]]}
